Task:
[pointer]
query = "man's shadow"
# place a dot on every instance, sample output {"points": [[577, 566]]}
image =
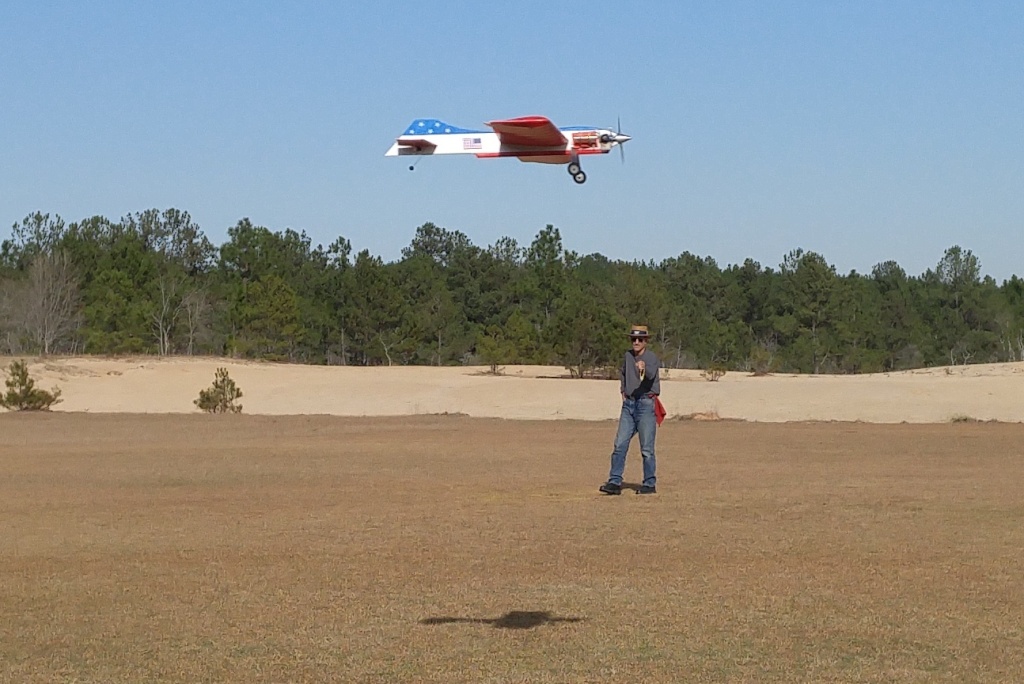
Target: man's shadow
{"points": [[516, 619]]}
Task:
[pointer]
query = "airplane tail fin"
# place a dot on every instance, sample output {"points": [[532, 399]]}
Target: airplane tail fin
{"points": [[434, 127]]}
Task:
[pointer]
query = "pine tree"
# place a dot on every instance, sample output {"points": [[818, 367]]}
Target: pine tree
{"points": [[22, 394], [222, 396]]}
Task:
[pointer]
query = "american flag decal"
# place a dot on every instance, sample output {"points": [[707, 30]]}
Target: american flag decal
{"points": [[471, 144]]}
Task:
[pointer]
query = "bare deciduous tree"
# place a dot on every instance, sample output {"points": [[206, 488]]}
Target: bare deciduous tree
{"points": [[8, 338], [167, 307], [45, 307], [1013, 343], [196, 306]]}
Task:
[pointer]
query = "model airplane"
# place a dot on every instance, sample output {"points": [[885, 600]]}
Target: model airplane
{"points": [[530, 138]]}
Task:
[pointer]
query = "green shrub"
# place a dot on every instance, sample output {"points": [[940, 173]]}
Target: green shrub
{"points": [[762, 360], [494, 349], [714, 372], [22, 394], [222, 396]]}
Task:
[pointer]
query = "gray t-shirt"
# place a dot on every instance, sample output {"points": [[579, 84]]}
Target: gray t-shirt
{"points": [[630, 383]]}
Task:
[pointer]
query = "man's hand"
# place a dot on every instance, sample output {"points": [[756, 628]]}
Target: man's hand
{"points": [[640, 365]]}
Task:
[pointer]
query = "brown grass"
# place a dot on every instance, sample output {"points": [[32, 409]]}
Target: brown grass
{"points": [[446, 549]]}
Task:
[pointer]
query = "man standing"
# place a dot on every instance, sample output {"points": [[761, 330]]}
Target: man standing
{"points": [[640, 385]]}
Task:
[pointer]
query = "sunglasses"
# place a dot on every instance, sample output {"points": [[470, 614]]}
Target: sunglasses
{"points": [[637, 339]]}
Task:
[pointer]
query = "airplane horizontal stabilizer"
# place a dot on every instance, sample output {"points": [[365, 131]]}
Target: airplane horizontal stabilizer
{"points": [[418, 143]]}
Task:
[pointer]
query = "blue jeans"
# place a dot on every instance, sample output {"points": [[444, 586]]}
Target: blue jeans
{"points": [[637, 417]]}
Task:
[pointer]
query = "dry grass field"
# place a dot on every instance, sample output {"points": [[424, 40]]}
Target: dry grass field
{"points": [[193, 548]]}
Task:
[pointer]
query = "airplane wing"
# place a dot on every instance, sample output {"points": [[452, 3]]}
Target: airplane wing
{"points": [[528, 131]]}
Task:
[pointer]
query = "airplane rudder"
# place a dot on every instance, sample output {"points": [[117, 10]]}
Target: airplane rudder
{"points": [[430, 126]]}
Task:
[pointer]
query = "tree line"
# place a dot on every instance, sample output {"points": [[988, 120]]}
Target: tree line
{"points": [[153, 283]]}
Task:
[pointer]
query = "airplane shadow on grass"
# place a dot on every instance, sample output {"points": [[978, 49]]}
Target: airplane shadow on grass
{"points": [[516, 619]]}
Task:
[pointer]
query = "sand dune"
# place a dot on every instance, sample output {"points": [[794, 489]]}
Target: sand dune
{"points": [[169, 385]]}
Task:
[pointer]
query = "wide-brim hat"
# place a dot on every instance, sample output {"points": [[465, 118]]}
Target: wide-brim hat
{"points": [[639, 331]]}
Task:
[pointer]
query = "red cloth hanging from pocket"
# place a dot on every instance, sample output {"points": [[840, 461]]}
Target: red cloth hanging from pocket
{"points": [[659, 410]]}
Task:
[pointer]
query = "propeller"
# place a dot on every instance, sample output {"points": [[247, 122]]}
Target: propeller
{"points": [[619, 138]]}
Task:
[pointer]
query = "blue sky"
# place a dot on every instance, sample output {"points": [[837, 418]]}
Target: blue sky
{"points": [[863, 130]]}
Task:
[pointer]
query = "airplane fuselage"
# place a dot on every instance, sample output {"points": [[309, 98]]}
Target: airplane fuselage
{"points": [[580, 141], [529, 139]]}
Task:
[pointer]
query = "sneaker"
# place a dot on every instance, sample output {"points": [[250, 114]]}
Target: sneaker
{"points": [[647, 490], [610, 488]]}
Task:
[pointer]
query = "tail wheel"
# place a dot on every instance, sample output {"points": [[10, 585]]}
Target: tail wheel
{"points": [[574, 168], [580, 177]]}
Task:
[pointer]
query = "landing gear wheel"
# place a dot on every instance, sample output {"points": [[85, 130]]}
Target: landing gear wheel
{"points": [[574, 168], [580, 177]]}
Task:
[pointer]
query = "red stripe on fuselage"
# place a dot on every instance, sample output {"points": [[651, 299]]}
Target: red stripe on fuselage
{"points": [[541, 153]]}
